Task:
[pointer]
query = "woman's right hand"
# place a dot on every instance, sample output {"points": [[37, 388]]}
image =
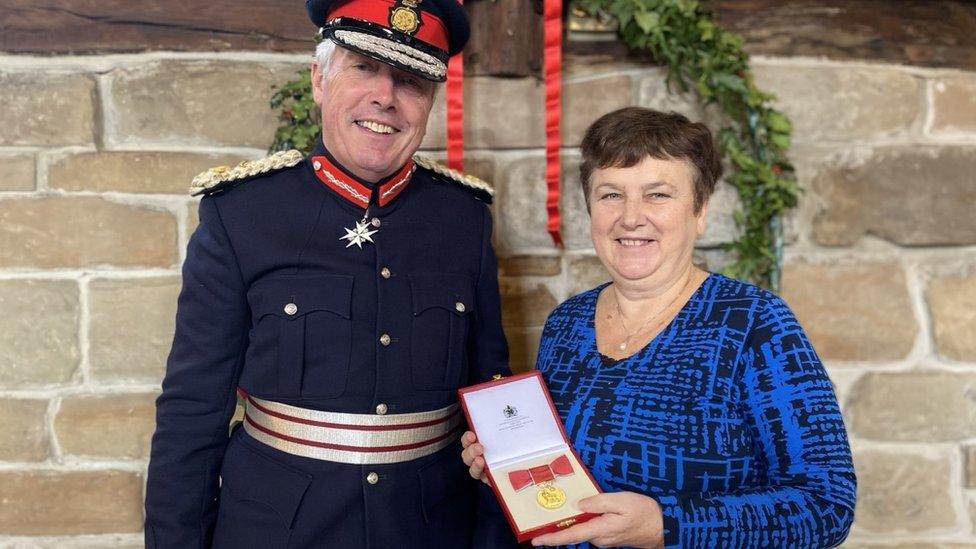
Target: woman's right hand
{"points": [[472, 456]]}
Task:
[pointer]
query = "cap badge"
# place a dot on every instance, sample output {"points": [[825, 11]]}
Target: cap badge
{"points": [[405, 17]]}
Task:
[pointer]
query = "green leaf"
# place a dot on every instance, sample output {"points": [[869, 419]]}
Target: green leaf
{"points": [[777, 122], [647, 21], [780, 140]]}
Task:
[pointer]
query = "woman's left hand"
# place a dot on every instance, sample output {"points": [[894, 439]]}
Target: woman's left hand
{"points": [[627, 518]]}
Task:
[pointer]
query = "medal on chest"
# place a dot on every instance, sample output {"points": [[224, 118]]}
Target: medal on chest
{"points": [[361, 233]]}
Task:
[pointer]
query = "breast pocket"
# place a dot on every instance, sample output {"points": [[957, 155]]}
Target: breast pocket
{"points": [[443, 310], [301, 336]]}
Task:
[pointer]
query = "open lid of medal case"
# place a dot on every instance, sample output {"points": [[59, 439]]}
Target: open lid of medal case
{"points": [[535, 473]]}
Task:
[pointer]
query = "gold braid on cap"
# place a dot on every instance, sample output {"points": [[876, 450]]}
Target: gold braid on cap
{"points": [[454, 175], [394, 51], [217, 178]]}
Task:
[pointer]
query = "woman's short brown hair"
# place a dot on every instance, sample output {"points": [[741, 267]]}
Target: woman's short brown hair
{"points": [[625, 137]]}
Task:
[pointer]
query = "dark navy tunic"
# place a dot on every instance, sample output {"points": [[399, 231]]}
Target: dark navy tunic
{"points": [[727, 418], [275, 240]]}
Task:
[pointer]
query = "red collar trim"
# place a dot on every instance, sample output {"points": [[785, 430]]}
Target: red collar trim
{"points": [[355, 192]]}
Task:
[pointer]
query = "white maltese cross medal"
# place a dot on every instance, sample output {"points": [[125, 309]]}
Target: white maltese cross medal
{"points": [[359, 235]]}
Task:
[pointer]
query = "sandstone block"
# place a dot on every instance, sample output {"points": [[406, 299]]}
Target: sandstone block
{"points": [[719, 223], [523, 348], [586, 272], [132, 324], [529, 265], [38, 332], [436, 136], [68, 232], [912, 196], [23, 436], [575, 218], [503, 112], [971, 470], [106, 426], [952, 303], [59, 503], [17, 172], [712, 259], [525, 304], [900, 493], [192, 217], [843, 103], [47, 109], [654, 93], [586, 100], [854, 311], [911, 407], [481, 166], [196, 102], [133, 172], [521, 206], [954, 104]]}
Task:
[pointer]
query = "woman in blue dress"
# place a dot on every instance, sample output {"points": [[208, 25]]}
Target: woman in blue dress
{"points": [[696, 400]]}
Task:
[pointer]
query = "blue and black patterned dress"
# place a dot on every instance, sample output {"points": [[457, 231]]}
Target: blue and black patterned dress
{"points": [[726, 418]]}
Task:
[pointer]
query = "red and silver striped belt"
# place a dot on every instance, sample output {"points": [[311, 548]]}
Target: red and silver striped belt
{"points": [[358, 439]]}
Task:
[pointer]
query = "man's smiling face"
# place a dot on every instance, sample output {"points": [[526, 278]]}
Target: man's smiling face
{"points": [[374, 116]]}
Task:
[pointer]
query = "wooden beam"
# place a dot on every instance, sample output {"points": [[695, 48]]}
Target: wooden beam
{"points": [[506, 34], [111, 26], [506, 38], [931, 33]]}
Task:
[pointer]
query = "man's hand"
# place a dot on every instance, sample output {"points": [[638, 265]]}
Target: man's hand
{"points": [[472, 456], [626, 518]]}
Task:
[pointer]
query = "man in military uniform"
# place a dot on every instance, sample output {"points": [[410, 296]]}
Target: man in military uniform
{"points": [[345, 296]]}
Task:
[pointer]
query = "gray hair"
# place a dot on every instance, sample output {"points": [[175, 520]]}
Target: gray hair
{"points": [[323, 55]]}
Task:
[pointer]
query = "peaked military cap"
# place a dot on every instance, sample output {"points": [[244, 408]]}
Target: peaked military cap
{"points": [[417, 36]]}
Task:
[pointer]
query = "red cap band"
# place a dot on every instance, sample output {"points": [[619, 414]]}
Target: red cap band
{"points": [[431, 31]]}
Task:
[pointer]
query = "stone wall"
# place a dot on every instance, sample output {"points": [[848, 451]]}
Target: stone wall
{"points": [[96, 153]]}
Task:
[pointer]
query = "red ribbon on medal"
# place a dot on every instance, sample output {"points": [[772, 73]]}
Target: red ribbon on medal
{"points": [[552, 60], [559, 467], [455, 112]]}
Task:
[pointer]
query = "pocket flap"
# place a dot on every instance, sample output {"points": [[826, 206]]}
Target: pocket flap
{"points": [[443, 478], [451, 292], [251, 476], [295, 296]]}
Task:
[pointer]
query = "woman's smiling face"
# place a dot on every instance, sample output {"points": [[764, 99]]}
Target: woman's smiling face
{"points": [[643, 221]]}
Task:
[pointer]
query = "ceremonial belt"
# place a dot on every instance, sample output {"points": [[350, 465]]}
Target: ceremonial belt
{"points": [[358, 439]]}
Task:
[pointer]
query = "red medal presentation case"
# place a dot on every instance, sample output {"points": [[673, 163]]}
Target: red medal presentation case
{"points": [[535, 473]]}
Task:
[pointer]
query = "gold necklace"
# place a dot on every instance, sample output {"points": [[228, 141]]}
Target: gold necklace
{"points": [[627, 333]]}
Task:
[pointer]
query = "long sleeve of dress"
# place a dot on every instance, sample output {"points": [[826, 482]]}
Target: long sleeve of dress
{"points": [[800, 450]]}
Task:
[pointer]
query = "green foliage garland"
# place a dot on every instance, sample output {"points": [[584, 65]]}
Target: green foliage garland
{"points": [[682, 35], [698, 54], [299, 116]]}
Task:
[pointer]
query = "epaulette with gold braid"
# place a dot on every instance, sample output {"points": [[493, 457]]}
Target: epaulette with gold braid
{"points": [[217, 178], [481, 188]]}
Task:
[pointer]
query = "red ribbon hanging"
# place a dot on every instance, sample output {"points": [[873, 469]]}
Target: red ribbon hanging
{"points": [[552, 61], [455, 112], [560, 467]]}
